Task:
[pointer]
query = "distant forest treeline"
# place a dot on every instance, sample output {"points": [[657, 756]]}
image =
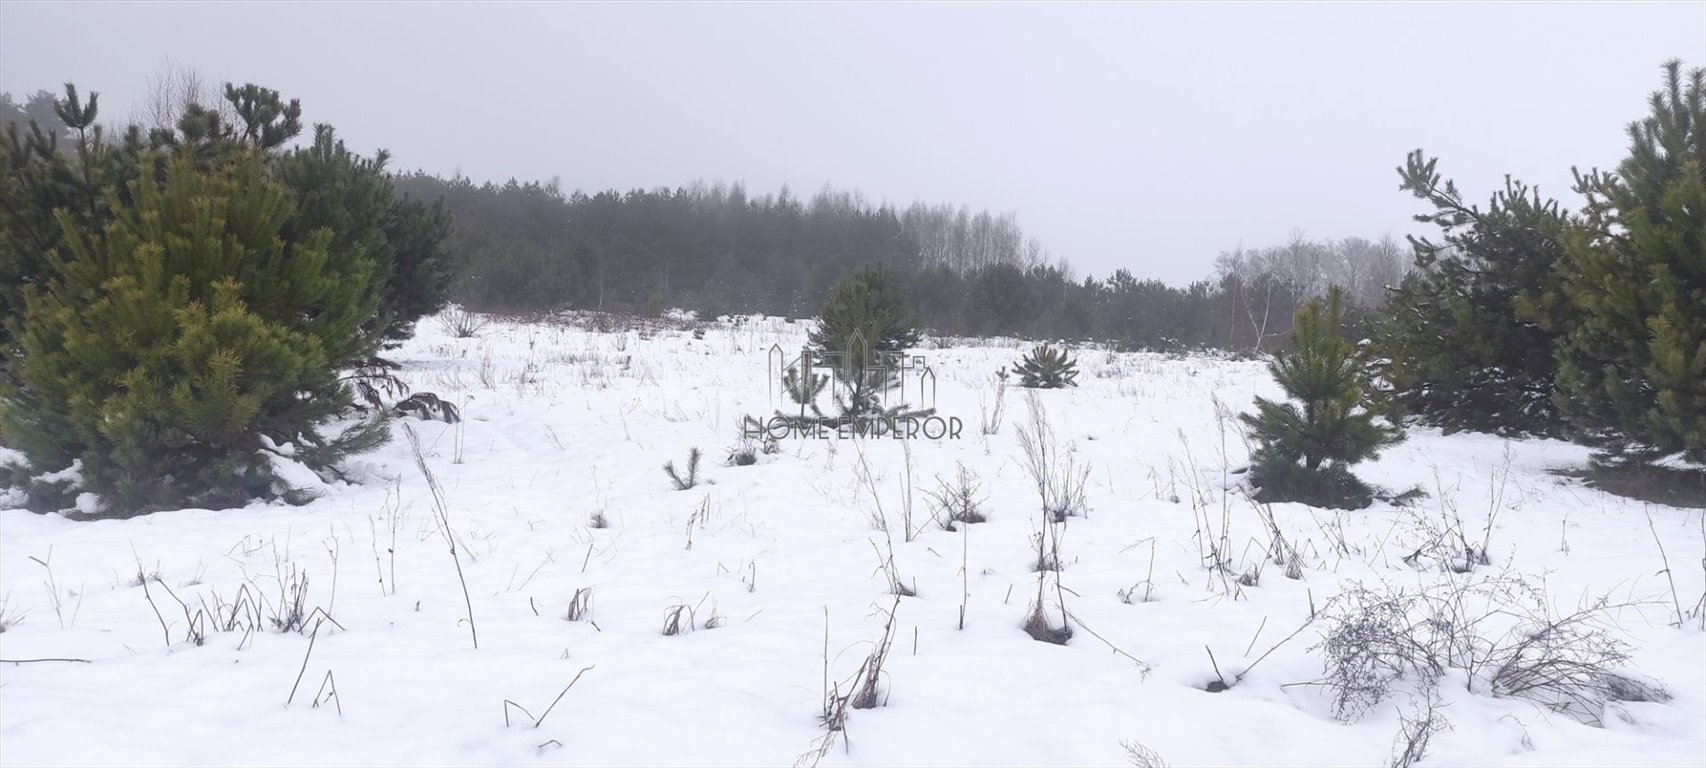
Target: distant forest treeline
{"points": [[717, 250]]}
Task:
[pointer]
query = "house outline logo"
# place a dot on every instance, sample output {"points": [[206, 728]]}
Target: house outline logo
{"points": [[884, 365]]}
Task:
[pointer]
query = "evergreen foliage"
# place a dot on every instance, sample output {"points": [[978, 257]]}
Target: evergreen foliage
{"points": [[864, 327], [685, 480], [1305, 453], [1045, 367], [1466, 341], [44, 170], [352, 196], [171, 348], [1632, 371], [804, 389], [407, 240], [179, 303]]}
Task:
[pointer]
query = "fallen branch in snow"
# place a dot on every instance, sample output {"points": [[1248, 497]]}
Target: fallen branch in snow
{"points": [[39, 661]]}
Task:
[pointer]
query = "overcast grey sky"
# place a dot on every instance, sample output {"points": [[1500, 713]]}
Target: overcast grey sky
{"points": [[1147, 136]]}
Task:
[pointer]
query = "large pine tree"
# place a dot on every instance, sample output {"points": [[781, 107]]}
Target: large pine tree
{"points": [[1632, 371], [168, 348], [1466, 341], [180, 302]]}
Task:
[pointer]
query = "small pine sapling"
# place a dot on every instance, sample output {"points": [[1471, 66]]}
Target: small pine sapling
{"points": [[1045, 367], [1305, 453], [687, 481]]}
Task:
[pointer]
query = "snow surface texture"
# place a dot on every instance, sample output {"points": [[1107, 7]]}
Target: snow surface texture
{"points": [[554, 484]]}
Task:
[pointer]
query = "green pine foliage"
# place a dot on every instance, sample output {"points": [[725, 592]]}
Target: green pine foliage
{"points": [[1466, 341], [43, 172], [804, 389], [864, 317], [178, 303], [407, 240], [174, 346], [1306, 447], [422, 267], [1045, 367], [352, 196], [1632, 371]]}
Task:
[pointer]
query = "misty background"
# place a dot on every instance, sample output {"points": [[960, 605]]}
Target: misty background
{"points": [[1149, 137]]}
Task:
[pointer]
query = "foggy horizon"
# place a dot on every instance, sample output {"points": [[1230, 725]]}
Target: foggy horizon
{"points": [[1146, 137]]}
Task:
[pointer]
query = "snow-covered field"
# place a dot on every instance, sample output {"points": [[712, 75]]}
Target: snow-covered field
{"points": [[779, 567]]}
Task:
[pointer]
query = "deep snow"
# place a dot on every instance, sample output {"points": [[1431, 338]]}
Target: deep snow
{"points": [[565, 423]]}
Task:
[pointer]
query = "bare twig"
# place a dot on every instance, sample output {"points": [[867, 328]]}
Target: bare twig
{"points": [[1677, 603], [547, 712], [442, 510], [310, 652]]}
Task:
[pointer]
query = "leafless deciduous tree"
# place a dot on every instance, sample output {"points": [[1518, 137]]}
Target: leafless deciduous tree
{"points": [[172, 88]]}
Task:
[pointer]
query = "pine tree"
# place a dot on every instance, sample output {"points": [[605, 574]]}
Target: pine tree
{"points": [[1632, 371], [1466, 341], [43, 171], [863, 324], [407, 241], [1304, 454], [1045, 367], [170, 347]]}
